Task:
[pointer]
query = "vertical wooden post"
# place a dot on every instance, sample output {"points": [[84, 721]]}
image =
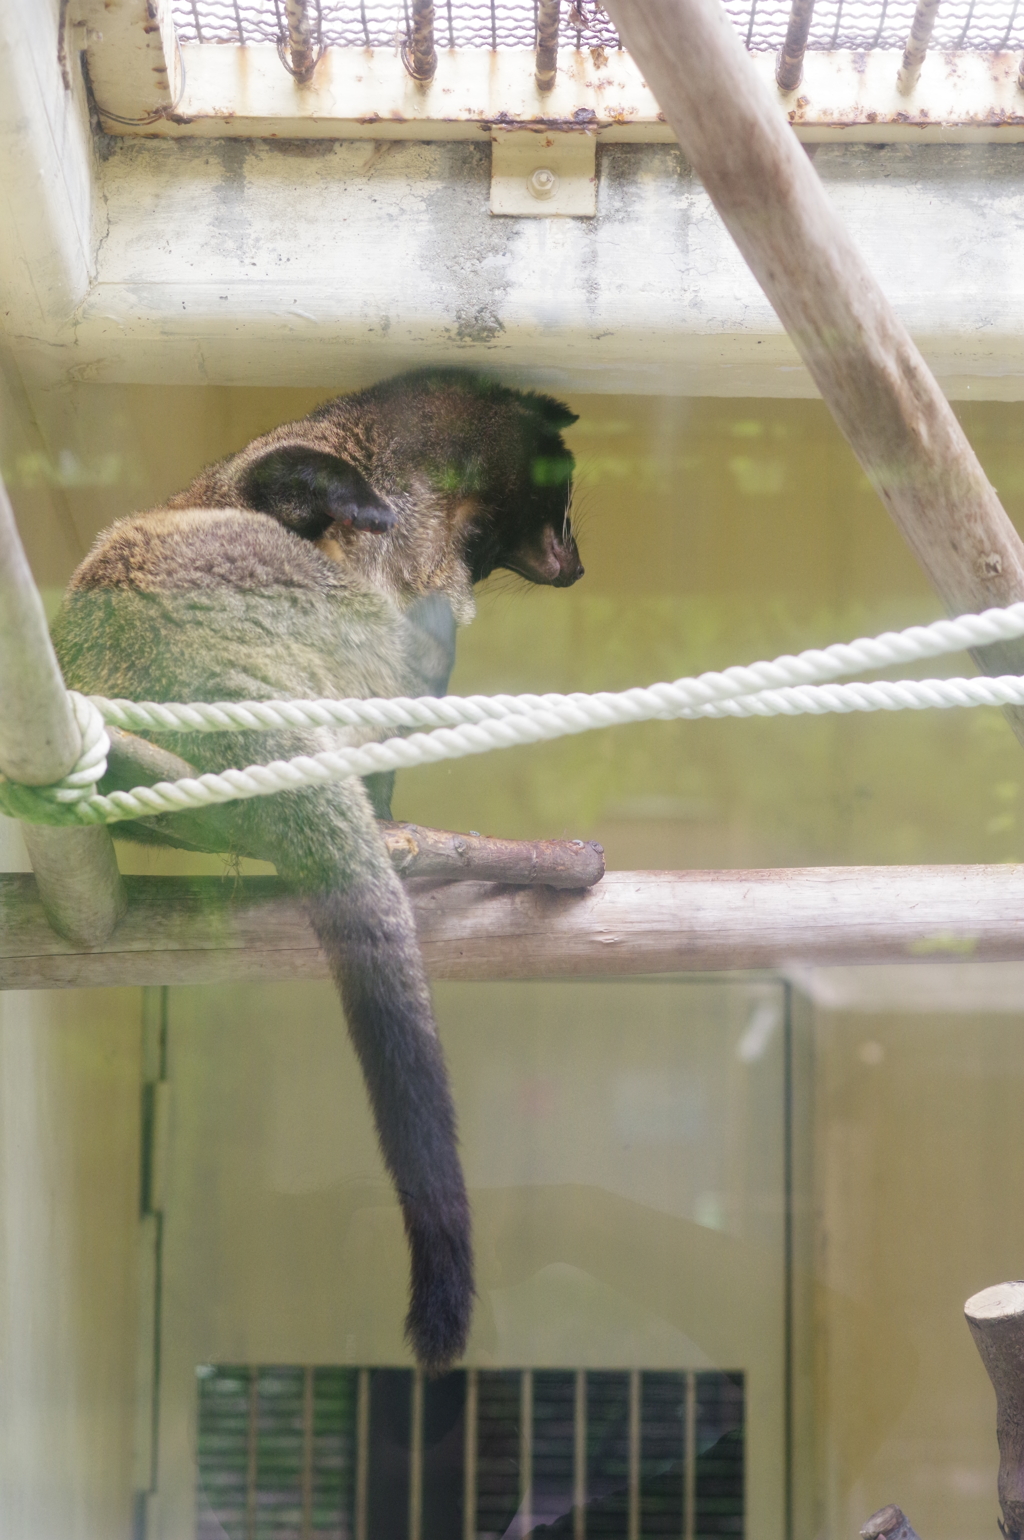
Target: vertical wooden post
{"points": [[889, 1523], [76, 869], [870, 373], [996, 1319]]}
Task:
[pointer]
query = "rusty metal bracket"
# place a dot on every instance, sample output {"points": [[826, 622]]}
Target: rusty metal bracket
{"points": [[540, 175]]}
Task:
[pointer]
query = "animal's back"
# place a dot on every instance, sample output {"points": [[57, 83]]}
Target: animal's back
{"points": [[331, 557], [205, 604], [226, 604]]}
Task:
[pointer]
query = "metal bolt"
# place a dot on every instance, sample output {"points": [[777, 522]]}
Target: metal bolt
{"points": [[542, 183]]}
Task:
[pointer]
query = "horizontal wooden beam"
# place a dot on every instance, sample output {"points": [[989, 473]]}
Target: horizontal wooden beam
{"points": [[209, 930]]}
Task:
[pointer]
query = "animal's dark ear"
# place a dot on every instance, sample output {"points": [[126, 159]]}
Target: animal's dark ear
{"points": [[554, 414], [308, 490]]}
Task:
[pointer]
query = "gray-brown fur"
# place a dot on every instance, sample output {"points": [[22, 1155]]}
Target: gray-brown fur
{"points": [[468, 470], [436, 479]]}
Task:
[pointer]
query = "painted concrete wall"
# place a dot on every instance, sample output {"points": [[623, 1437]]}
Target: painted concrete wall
{"points": [[328, 264]]}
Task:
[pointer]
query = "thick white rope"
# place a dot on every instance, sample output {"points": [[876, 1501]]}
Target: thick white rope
{"points": [[602, 709], [456, 742], [781, 687]]}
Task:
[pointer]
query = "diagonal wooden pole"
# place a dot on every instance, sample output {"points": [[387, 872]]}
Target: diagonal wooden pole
{"points": [[870, 373], [76, 869]]}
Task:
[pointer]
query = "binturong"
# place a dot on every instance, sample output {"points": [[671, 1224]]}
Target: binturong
{"points": [[332, 557]]}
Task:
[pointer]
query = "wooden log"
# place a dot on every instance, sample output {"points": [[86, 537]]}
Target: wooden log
{"points": [[418, 852], [996, 1319], [415, 851], [861, 357], [205, 930], [40, 742]]}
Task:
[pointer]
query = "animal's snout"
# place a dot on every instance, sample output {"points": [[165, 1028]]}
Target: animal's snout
{"points": [[551, 558], [570, 568]]}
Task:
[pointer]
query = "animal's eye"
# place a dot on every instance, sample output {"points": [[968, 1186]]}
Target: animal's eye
{"points": [[551, 470]]}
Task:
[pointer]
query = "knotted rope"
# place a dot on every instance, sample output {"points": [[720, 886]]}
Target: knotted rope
{"points": [[461, 725]]}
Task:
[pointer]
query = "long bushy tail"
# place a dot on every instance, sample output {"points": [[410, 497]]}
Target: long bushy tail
{"points": [[367, 933]]}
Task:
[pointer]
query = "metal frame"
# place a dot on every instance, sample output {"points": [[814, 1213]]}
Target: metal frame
{"points": [[234, 92], [145, 82]]}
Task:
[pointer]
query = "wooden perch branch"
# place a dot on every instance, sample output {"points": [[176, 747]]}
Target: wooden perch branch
{"points": [[39, 743], [418, 852], [870, 373], [207, 930], [996, 1319], [134, 761], [415, 851]]}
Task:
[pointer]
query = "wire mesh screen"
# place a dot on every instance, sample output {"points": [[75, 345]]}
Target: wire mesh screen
{"points": [[859, 24]]}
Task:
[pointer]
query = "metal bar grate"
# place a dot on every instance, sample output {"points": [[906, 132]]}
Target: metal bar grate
{"points": [[326, 1453], [856, 24], [790, 65], [579, 1458], [921, 29], [418, 50], [547, 15]]}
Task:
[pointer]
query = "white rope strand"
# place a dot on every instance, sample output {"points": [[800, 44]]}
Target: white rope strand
{"points": [[458, 726], [535, 727], [603, 709]]}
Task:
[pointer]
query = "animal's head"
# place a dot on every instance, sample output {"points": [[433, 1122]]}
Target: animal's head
{"points": [[417, 475], [521, 509]]}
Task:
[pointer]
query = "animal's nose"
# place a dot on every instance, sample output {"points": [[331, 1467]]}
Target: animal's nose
{"points": [[570, 568]]}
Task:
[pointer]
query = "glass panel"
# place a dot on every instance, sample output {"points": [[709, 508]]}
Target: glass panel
{"points": [[431, 1449], [625, 1154]]}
